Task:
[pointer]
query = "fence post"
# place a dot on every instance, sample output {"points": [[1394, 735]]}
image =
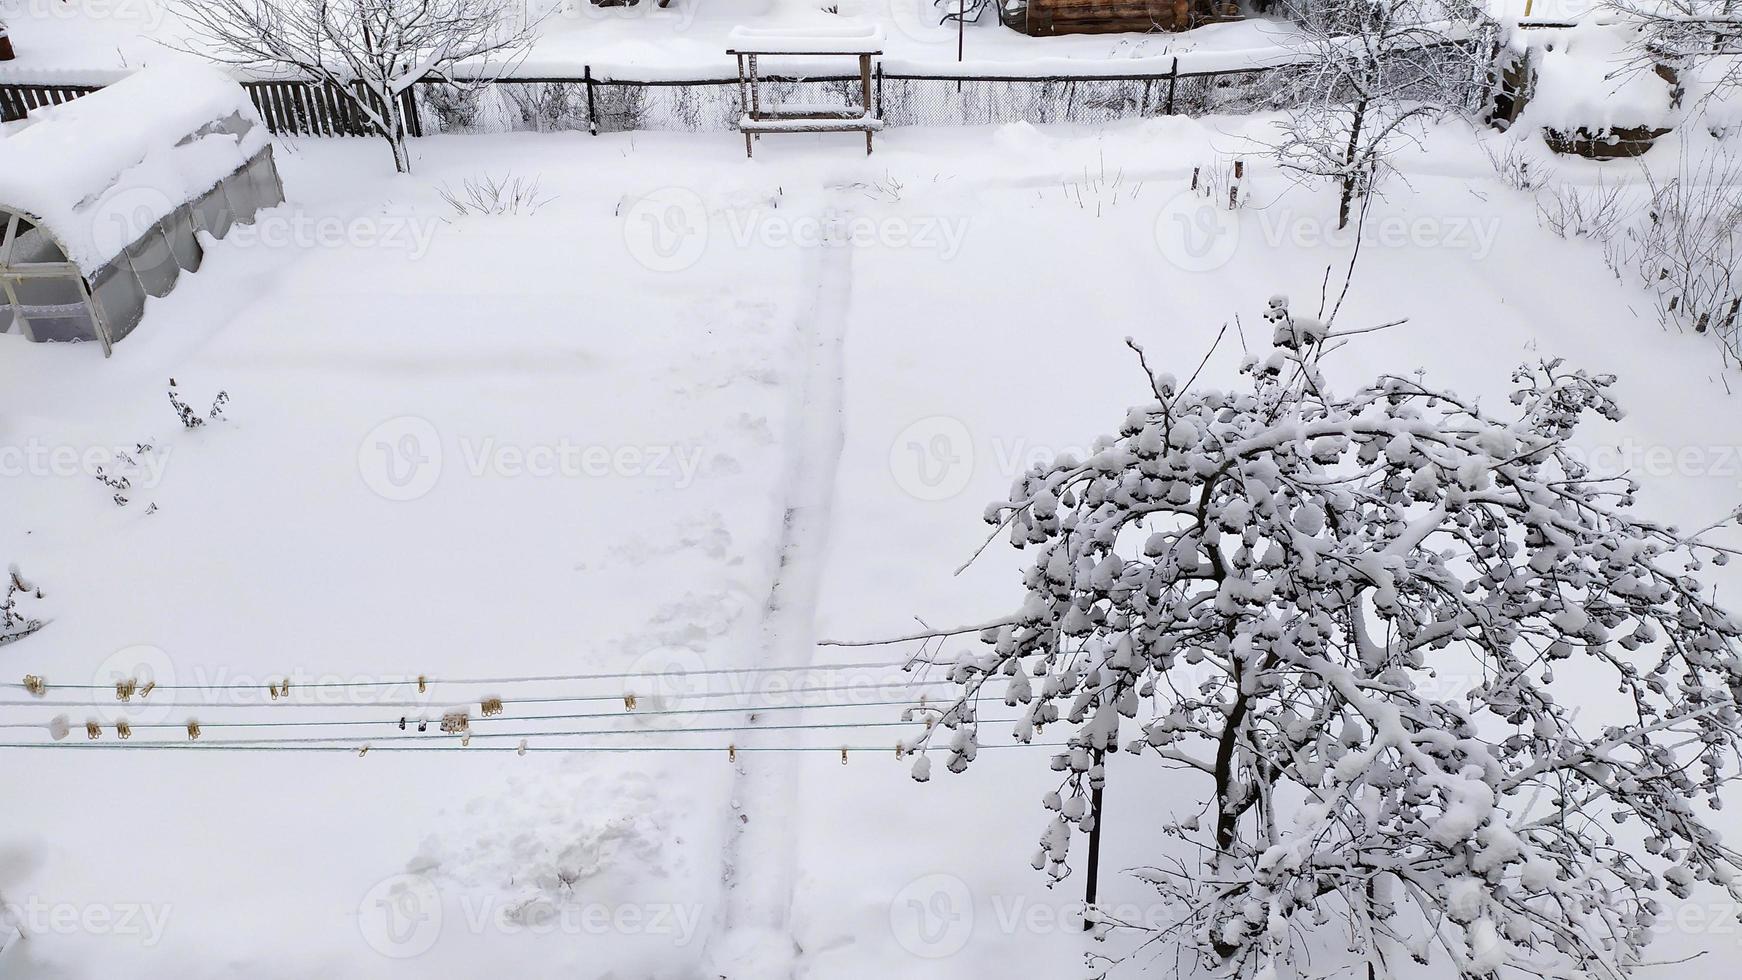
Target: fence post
{"points": [[408, 109], [880, 89], [592, 114], [1172, 78]]}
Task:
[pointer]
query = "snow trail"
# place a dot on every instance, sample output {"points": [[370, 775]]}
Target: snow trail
{"points": [[760, 860]]}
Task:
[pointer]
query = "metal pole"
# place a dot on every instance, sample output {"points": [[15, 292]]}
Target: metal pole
{"points": [[592, 114], [1091, 886]]}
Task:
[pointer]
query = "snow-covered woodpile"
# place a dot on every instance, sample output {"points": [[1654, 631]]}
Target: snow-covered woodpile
{"points": [[1046, 17], [1582, 87], [101, 199]]}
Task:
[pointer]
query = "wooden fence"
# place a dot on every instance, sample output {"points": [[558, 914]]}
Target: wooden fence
{"points": [[289, 108], [16, 99], [305, 109]]}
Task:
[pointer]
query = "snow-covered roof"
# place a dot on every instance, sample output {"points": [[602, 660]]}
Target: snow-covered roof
{"points": [[100, 169], [850, 38]]}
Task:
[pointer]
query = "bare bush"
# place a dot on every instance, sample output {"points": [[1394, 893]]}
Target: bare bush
{"points": [[494, 195], [1687, 248], [1573, 211], [1516, 166]]}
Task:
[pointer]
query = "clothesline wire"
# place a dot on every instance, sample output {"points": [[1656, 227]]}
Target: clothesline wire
{"points": [[291, 702], [565, 716], [528, 679], [359, 748], [591, 732]]}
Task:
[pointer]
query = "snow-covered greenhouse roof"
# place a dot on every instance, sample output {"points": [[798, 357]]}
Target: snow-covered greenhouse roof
{"points": [[103, 199], [98, 171]]}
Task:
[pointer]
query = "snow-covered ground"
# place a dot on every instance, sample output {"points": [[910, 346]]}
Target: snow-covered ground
{"points": [[696, 413]]}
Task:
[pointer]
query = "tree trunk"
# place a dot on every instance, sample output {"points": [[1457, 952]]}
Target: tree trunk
{"points": [[1349, 155], [401, 152], [394, 117]]}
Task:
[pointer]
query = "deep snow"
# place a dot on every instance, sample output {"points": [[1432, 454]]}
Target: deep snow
{"points": [[675, 299]]}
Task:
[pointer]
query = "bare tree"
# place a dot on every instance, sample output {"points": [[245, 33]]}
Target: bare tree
{"points": [[371, 51], [1343, 619], [1370, 71], [1699, 40]]}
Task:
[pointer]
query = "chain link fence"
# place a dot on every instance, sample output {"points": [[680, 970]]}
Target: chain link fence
{"points": [[714, 105], [589, 103]]}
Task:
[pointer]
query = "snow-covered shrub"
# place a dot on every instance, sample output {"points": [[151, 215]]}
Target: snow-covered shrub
{"points": [[191, 419], [1370, 631], [15, 624]]}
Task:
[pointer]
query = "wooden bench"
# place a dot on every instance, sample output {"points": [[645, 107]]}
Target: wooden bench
{"points": [[749, 45]]}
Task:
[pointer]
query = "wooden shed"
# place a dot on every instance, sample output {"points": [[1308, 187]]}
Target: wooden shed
{"points": [[1048, 17]]}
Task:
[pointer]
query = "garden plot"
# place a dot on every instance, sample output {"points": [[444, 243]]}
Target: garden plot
{"points": [[480, 447], [811, 371]]}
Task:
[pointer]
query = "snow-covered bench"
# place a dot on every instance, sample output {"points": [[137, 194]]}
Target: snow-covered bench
{"points": [[750, 44]]}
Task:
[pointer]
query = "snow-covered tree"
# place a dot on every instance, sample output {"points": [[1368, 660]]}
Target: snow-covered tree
{"points": [[1373, 634], [1369, 73], [372, 51]]}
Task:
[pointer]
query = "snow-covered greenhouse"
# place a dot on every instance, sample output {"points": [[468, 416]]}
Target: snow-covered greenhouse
{"points": [[101, 198]]}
